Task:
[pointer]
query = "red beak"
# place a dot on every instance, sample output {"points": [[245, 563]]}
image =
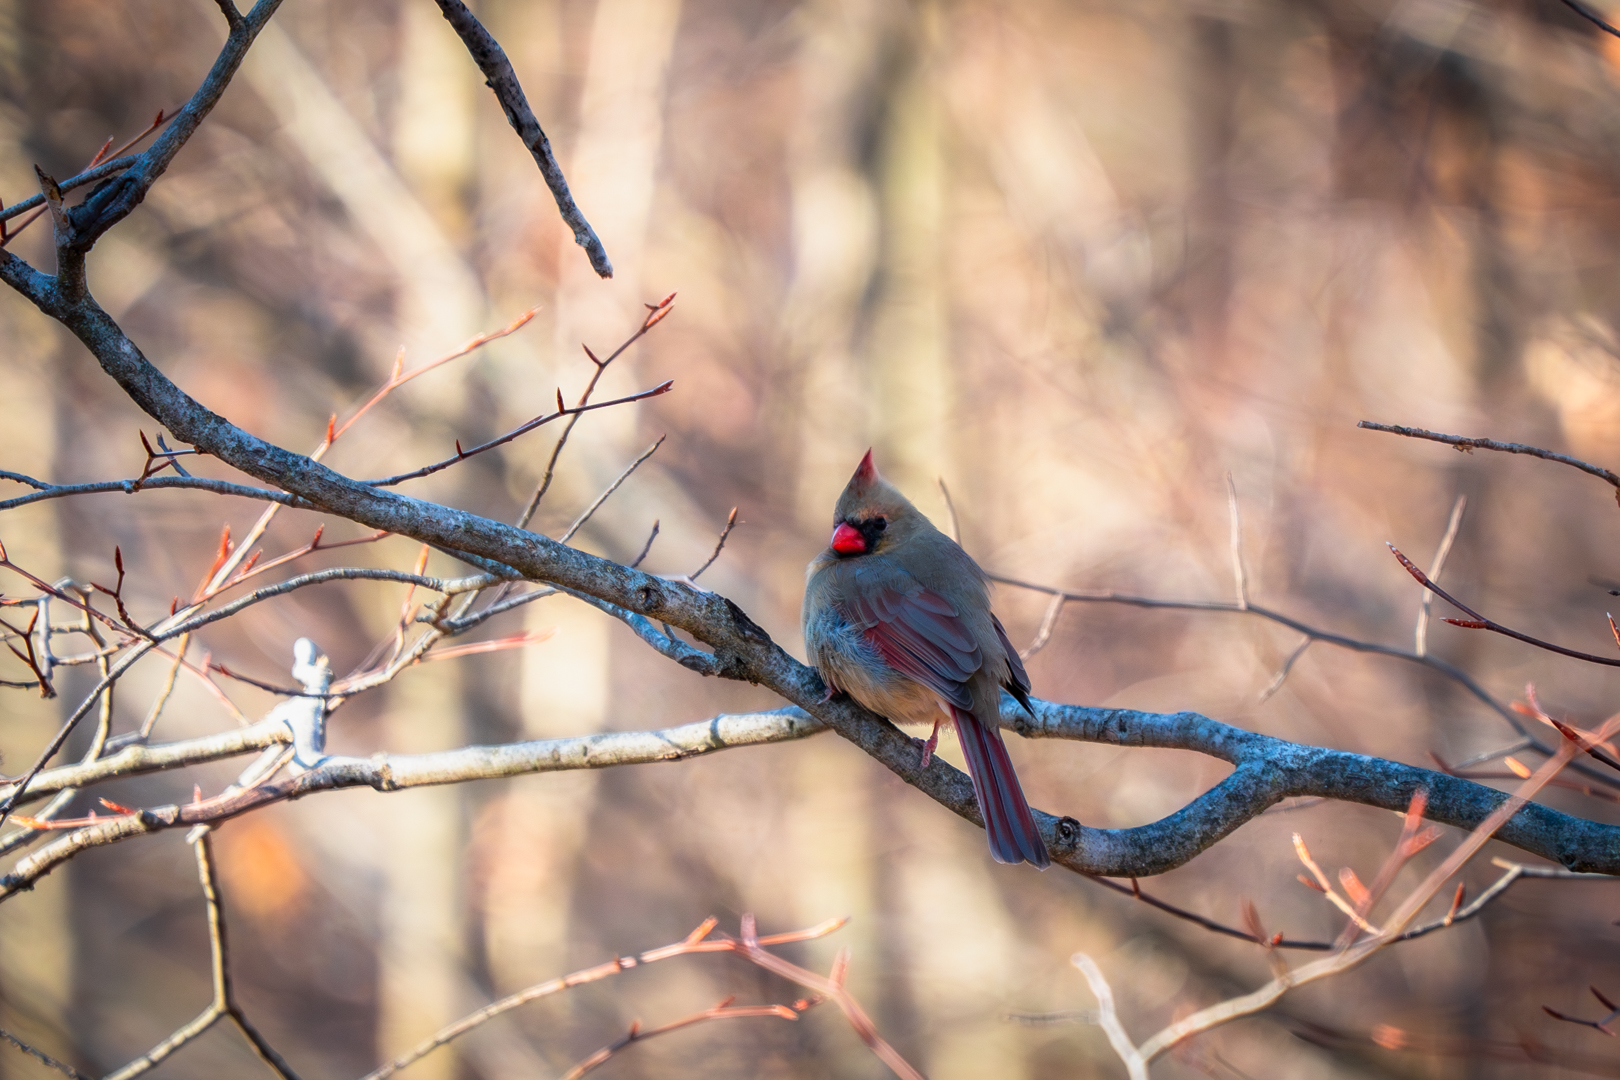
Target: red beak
{"points": [[846, 541]]}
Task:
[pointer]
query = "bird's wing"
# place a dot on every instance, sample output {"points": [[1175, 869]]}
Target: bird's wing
{"points": [[921, 635], [1017, 683]]}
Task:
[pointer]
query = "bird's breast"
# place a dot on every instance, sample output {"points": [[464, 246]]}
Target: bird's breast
{"points": [[850, 662]]}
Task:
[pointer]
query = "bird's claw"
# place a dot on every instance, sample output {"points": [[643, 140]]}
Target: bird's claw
{"points": [[928, 746]]}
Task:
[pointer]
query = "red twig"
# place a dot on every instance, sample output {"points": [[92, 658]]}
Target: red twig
{"points": [[117, 593], [31, 658], [1476, 621], [725, 1010], [400, 377]]}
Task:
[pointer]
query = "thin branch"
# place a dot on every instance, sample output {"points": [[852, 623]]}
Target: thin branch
{"points": [[1599, 1025], [1463, 443], [1240, 579], [462, 623], [830, 987], [521, 429], [1108, 1018], [646, 549], [655, 315], [723, 1011], [950, 508], [607, 493], [399, 377], [1288, 666], [224, 1000], [720, 545], [134, 486], [491, 60], [1476, 621], [698, 941], [1590, 16], [1453, 524], [39, 1055]]}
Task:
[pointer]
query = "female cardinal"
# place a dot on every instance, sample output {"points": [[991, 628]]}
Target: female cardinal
{"points": [[898, 616]]}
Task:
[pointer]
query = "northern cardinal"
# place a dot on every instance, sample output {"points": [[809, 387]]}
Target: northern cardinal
{"points": [[898, 616]]}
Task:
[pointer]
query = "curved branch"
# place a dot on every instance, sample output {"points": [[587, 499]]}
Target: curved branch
{"points": [[112, 201], [1312, 633], [1268, 771]]}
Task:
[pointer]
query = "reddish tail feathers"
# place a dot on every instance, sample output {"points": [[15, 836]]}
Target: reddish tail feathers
{"points": [[1011, 827]]}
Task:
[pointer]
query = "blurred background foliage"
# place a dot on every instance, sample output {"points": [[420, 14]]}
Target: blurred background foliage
{"points": [[1081, 260]]}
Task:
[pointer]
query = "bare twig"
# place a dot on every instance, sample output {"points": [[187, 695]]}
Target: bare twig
{"points": [[1453, 524], [646, 549], [1599, 1025], [1043, 634], [725, 1010], [131, 486], [224, 1001], [521, 429], [831, 986], [1287, 666], [698, 941], [1135, 1066], [1464, 443], [655, 315], [399, 377], [39, 1055], [607, 493], [719, 546], [1240, 579], [1590, 16], [1476, 621], [491, 60], [950, 508]]}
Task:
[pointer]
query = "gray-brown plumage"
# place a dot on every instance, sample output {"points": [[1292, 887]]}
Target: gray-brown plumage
{"points": [[898, 616]]}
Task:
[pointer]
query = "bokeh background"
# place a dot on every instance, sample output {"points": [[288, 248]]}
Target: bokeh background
{"points": [[1082, 261]]}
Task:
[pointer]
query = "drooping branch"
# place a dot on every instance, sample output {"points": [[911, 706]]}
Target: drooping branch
{"points": [[498, 74]]}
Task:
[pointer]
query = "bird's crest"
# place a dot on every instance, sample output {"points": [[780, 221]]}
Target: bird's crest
{"points": [[865, 473]]}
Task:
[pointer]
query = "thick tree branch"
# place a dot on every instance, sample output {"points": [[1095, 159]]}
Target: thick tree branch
{"points": [[1268, 771]]}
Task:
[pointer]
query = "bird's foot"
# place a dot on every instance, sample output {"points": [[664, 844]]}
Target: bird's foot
{"points": [[929, 745]]}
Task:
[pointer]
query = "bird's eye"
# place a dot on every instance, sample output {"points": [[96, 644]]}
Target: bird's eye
{"points": [[880, 523]]}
